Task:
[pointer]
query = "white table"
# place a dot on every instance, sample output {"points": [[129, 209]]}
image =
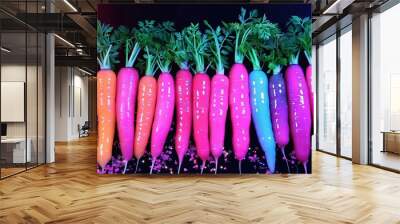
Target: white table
{"points": [[18, 149]]}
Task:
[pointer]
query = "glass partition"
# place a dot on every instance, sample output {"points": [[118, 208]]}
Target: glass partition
{"points": [[15, 152], [22, 76], [31, 97], [346, 93], [327, 95], [385, 89]]}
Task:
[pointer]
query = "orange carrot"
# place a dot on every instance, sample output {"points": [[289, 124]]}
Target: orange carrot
{"points": [[147, 96], [106, 88], [107, 49]]}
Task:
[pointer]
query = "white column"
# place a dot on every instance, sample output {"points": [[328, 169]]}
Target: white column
{"points": [[50, 92], [360, 90]]}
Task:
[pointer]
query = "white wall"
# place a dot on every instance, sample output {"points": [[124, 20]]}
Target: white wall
{"points": [[71, 102]]}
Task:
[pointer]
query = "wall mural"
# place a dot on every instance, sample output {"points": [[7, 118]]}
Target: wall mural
{"points": [[204, 89]]}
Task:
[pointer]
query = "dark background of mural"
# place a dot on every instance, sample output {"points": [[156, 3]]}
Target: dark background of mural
{"points": [[182, 15]]}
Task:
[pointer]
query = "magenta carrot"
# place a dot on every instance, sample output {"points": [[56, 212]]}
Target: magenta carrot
{"points": [[218, 111], [201, 98], [239, 101], [127, 82], [163, 114], [197, 43], [299, 111], [183, 98], [305, 43], [298, 100], [219, 92], [310, 88], [166, 92], [183, 94]]}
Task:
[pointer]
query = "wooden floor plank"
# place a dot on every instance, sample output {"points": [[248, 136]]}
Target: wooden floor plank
{"points": [[70, 191]]}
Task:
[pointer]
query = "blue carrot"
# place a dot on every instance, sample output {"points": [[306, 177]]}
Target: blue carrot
{"points": [[260, 112], [263, 30]]}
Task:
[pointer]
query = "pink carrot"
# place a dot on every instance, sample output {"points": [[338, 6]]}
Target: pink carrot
{"points": [[239, 92], [163, 114], [127, 84], [218, 111], [127, 81], [310, 89], [219, 92], [298, 95], [239, 103], [197, 44], [183, 96], [299, 112], [201, 101]]}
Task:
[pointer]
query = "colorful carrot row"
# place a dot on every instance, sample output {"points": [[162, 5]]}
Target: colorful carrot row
{"points": [[277, 106]]}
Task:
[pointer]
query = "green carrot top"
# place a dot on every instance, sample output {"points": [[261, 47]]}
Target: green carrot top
{"points": [[147, 34], [132, 49], [107, 46], [198, 46], [242, 30], [262, 33], [276, 58], [218, 47], [305, 39], [296, 34], [166, 52], [181, 55]]}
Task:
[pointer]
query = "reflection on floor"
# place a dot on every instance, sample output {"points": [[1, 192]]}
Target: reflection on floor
{"points": [[386, 159], [70, 191], [10, 169]]}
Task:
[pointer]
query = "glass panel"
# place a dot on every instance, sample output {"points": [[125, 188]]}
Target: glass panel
{"points": [[346, 94], [41, 99], [314, 85], [13, 86], [327, 96], [32, 87], [31, 97], [385, 84]]}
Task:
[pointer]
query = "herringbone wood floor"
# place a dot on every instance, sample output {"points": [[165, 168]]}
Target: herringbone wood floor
{"points": [[70, 191]]}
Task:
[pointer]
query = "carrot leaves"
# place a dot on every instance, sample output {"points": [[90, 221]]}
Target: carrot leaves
{"points": [[305, 39], [181, 56], [131, 49], [242, 30], [298, 37], [218, 48], [276, 58], [166, 53], [108, 44], [262, 32], [146, 34], [198, 46]]}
